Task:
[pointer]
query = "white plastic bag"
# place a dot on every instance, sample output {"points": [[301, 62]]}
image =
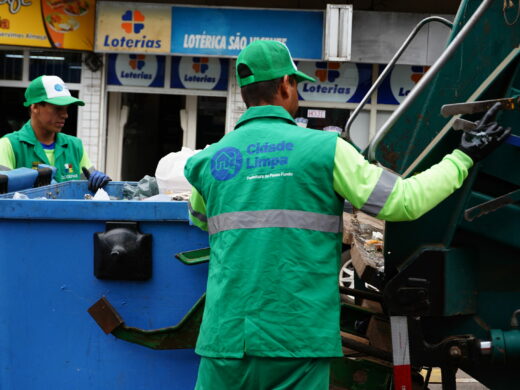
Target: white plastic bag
{"points": [[170, 172], [19, 195], [101, 194]]}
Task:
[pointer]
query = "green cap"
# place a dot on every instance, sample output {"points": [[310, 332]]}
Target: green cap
{"points": [[267, 60], [49, 89]]}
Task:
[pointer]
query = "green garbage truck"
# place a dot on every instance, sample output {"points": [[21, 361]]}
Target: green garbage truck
{"points": [[448, 295]]}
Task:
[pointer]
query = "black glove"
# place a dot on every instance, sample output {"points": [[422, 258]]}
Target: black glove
{"points": [[96, 179], [481, 141]]}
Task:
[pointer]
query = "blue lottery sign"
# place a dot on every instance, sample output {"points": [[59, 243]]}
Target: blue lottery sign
{"points": [[225, 32], [396, 87], [335, 82], [200, 73], [137, 70]]}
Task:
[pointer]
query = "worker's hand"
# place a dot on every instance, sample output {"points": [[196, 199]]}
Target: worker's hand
{"points": [[481, 141], [96, 179]]}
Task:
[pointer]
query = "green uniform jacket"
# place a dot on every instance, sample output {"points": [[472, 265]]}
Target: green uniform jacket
{"points": [[269, 193], [28, 152], [275, 235]]}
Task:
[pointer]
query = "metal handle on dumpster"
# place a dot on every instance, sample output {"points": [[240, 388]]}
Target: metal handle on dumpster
{"points": [[193, 257], [181, 336]]}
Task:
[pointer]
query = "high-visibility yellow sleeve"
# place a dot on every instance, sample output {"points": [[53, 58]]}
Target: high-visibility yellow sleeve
{"points": [[416, 195], [7, 158], [386, 195], [85, 161], [354, 178], [197, 208]]}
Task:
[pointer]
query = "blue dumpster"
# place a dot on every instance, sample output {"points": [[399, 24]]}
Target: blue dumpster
{"points": [[48, 250]]}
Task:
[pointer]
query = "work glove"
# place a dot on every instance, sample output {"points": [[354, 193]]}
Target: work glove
{"points": [[96, 179], [481, 141]]}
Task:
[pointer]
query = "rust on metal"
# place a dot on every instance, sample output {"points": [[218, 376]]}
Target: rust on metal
{"points": [[390, 156], [105, 315], [480, 106]]}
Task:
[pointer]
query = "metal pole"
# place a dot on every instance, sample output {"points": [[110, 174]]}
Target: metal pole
{"points": [[388, 68], [432, 72]]}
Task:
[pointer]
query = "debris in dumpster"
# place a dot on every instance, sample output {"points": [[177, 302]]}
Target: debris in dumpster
{"points": [[374, 245], [101, 194], [365, 235], [19, 195], [145, 188], [159, 198], [181, 196]]}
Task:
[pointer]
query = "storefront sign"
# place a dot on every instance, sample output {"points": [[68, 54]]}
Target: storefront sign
{"points": [[335, 82], [398, 85], [63, 24], [226, 31], [203, 31], [133, 28], [136, 70], [199, 73]]}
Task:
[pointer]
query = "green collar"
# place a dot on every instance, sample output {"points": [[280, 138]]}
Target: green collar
{"points": [[27, 135], [257, 112]]}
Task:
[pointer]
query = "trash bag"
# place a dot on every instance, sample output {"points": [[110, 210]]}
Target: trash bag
{"points": [[145, 188], [170, 172]]}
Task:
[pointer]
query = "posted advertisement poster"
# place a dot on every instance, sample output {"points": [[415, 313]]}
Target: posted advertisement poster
{"points": [[61, 24]]}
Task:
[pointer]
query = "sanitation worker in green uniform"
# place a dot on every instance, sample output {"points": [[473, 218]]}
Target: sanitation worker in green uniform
{"points": [[40, 140], [271, 194]]}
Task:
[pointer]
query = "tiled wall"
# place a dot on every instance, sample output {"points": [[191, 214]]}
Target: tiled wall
{"points": [[89, 122], [235, 104]]}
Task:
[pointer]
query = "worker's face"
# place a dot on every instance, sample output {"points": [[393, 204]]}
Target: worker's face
{"points": [[49, 117]]}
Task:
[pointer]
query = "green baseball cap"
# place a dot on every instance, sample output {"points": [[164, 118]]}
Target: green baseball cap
{"points": [[267, 60], [49, 89]]}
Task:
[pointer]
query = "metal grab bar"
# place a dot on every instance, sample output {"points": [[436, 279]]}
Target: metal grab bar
{"points": [[388, 68], [423, 82]]}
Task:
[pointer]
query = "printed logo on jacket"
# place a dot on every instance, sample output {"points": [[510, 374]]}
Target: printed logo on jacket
{"points": [[133, 28], [137, 70], [335, 82], [260, 161], [199, 73]]}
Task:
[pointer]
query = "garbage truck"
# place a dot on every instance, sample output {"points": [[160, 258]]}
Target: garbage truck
{"points": [[448, 295]]}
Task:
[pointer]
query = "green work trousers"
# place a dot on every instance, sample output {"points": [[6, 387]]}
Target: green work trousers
{"points": [[263, 373]]}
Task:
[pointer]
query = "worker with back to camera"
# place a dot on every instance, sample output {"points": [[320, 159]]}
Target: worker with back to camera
{"points": [[40, 140], [271, 194]]}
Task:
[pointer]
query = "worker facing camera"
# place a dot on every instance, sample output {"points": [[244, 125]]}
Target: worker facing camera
{"points": [[41, 141]]}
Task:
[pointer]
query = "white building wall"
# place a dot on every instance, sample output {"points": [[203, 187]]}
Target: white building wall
{"points": [[235, 105], [89, 116]]}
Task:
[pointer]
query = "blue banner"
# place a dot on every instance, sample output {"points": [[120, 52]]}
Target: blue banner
{"points": [[398, 84], [136, 70], [335, 82], [199, 73], [226, 31]]}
